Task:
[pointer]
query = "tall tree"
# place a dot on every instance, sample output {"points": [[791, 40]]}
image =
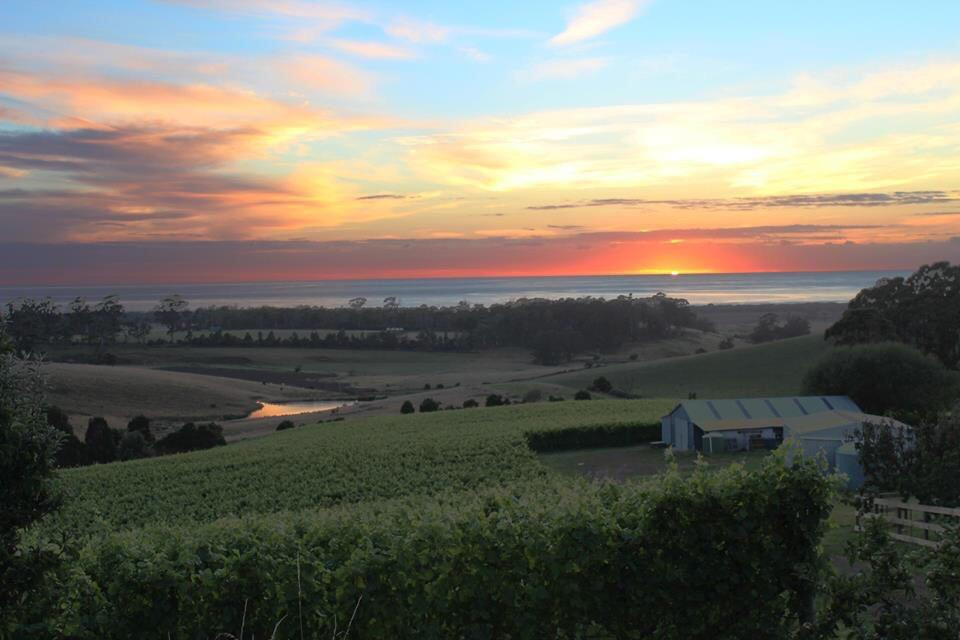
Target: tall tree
{"points": [[27, 449], [170, 312], [107, 320], [78, 320]]}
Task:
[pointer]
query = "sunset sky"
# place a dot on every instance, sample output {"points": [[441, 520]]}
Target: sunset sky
{"points": [[229, 140]]}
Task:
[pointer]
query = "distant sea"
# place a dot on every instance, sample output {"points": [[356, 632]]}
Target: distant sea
{"points": [[740, 288]]}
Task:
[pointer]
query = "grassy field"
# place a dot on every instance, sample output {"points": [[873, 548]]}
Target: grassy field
{"points": [[771, 369], [328, 464], [119, 393]]}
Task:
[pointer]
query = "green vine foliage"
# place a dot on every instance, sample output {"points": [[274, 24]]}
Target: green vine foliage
{"points": [[726, 553], [27, 448], [895, 593]]}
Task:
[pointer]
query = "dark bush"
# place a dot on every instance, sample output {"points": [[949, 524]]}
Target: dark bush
{"points": [[770, 328], [495, 400], [886, 378], [407, 407], [583, 394], [72, 452], [602, 385], [634, 356], [726, 343], [533, 395], [191, 437], [470, 403], [141, 424], [27, 447], [428, 405], [133, 445], [101, 440], [592, 436], [286, 424], [554, 398]]}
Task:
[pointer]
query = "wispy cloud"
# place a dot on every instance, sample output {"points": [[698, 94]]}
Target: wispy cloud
{"points": [[897, 198], [595, 18], [562, 69], [770, 144], [418, 31], [374, 50]]}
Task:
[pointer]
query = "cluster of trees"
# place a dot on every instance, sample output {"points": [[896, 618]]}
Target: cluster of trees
{"points": [[921, 310], [554, 330], [101, 444], [770, 327]]}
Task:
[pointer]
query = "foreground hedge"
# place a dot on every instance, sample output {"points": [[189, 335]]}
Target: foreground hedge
{"points": [[620, 435], [713, 555]]}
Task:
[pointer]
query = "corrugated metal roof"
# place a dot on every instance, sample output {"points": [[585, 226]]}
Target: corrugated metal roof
{"points": [[799, 425], [703, 412], [835, 419]]}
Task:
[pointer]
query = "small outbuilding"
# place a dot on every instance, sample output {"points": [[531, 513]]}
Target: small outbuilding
{"points": [[741, 424], [819, 424]]}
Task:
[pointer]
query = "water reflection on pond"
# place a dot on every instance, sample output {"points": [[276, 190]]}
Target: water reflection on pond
{"points": [[272, 410]]}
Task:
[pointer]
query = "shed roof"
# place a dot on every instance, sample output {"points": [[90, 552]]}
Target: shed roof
{"points": [[833, 419], [760, 412]]}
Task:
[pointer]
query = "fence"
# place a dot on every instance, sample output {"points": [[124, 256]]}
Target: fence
{"points": [[914, 523]]}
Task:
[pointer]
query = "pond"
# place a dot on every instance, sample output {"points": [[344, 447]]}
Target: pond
{"points": [[274, 409]]}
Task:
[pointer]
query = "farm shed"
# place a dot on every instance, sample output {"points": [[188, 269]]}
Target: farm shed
{"points": [[743, 424], [817, 423], [830, 432]]}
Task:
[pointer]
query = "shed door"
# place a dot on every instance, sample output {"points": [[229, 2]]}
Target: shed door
{"points": [[680, 434]]}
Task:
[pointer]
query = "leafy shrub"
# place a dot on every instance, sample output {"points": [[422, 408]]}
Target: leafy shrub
{"points": [[495, 400], [101, 440], [407, 407], [71, 452], [726, 343], [429, 404], [634, 357], [470, 403], [584, 437], [554, 398], [547, 559], [894, 595], [583, 394], [770, 328], [27, 447], [886, 378], [286, 424], [602, 385], [191, 437], [922, 463], [133, 445], [141, 424], [533, 395]]}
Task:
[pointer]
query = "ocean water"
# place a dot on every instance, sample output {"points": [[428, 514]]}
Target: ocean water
{"points": [[740, 288]]}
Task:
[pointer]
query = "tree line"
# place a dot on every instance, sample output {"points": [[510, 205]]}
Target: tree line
{"points": [[552, 329]]}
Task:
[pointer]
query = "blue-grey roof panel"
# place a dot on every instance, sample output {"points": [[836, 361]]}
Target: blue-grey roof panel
{"points": [[756, 408]]}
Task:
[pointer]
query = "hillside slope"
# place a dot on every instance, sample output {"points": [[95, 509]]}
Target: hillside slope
{"points": [[329, 464], [771, 369]]}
